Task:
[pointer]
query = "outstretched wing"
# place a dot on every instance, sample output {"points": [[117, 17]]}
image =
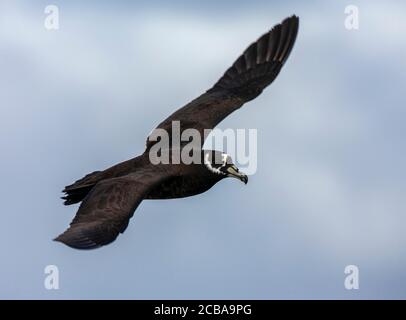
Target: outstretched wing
{"points": [[254, 70], [107, 209]]}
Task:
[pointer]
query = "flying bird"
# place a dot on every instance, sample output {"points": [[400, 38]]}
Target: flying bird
{"points": [[110, 197]]}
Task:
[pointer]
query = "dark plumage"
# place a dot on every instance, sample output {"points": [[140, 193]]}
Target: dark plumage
{"points": [[110, 197]]}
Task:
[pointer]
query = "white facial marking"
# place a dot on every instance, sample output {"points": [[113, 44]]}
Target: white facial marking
{"points": [[207, 162]]}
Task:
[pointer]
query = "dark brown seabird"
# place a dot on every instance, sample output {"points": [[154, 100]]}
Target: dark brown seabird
{"points": [[110, 197]]}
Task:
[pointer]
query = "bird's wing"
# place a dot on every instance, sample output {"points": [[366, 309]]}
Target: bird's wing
{"points": [[107, 209], [254, 70]]}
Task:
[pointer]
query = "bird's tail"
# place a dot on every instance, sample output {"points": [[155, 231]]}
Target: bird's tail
{"points": [[78, 190], [261, 62]]}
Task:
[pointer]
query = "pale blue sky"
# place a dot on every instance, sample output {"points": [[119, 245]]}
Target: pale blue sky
{"points": [[330, 186]]}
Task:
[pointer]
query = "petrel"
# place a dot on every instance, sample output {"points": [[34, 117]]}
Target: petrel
{"points": [[110, 197]]}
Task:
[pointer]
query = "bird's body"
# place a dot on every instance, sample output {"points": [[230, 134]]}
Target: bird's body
{"points": [[110, 197], [196, 181], [184, 180]]}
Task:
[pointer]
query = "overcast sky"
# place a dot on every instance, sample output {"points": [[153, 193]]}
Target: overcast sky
{"points": [[329, 190]]}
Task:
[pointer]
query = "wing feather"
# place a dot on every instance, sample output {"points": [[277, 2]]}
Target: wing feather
{"points": [[254, 70], [107, 209]]}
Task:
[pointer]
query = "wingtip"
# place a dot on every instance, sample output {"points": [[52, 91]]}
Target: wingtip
{"points": [[60, 238], [292, 19], [72, 241]]}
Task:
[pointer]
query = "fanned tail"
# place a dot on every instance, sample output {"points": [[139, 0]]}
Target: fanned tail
{"points": [[78, 190]]}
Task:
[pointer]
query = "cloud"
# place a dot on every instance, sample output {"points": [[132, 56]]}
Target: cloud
{"points": [[328, 190]]}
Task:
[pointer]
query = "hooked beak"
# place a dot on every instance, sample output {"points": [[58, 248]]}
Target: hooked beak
{"points": [[235, 173]]}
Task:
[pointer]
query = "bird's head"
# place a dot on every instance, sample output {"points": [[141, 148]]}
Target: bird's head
{"points": [[221, 164]]}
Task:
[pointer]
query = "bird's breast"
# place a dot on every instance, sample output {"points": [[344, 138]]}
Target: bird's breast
{"points": [[181, 187]]}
